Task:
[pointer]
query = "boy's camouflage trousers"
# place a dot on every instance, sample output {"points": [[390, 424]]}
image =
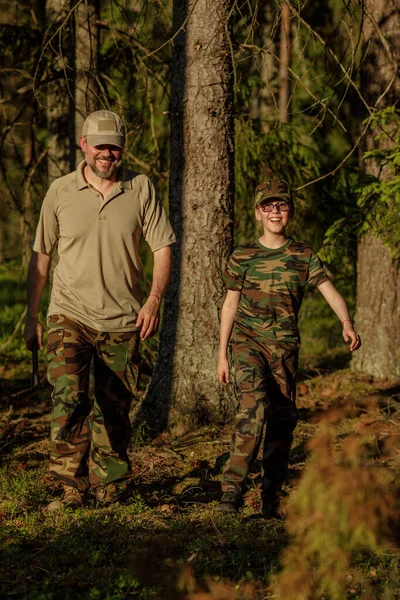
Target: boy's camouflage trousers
{"points": [[90, 436], [265, 379]]}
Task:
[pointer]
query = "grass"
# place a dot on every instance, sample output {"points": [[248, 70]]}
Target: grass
{"points": [[166, 542]]}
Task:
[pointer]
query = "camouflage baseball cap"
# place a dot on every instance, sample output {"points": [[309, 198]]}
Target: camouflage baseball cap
{"points": [[104, 127], [273, 188]]}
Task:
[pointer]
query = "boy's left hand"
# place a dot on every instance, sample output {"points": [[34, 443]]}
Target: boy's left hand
{"points": [[349, 333]]}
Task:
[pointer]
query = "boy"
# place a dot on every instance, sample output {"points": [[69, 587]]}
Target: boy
{"points": [[265, 283]]}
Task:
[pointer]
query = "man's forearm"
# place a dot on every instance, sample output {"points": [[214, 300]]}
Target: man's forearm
{"points": [[38, 273], [161, 272]]}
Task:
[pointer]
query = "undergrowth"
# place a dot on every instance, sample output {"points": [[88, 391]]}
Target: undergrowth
{"points": [[165, 541]]}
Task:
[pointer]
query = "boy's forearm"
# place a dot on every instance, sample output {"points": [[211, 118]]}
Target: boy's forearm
{"points": [[335, 301], [227, 320]]}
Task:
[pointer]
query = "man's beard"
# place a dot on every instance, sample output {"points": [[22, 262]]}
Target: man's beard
{"points": [[105, 172]]}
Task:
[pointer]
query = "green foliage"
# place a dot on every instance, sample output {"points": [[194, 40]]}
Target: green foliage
{"points": [[379, 195], [378, 204], [12, 306]]}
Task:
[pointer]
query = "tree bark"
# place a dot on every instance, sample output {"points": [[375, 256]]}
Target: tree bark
{"points": [[378, 287], [59, 92], [86, 59], [184, 392], [284, 55], [264, 102]]}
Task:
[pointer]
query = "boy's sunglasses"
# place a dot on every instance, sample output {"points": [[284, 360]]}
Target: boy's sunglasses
{"points": [[280, 206]]}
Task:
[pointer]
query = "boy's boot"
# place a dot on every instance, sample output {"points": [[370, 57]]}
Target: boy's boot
{"points": [[271, 507], [230, 502]]}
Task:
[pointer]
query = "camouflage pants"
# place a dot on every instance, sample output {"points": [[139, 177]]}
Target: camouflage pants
{"points": [[265, 378], [90, 435]]}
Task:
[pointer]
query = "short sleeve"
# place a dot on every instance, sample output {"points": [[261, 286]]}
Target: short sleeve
{"points": [[157, 230], [233, 275], [317, 271], [47, 231]]}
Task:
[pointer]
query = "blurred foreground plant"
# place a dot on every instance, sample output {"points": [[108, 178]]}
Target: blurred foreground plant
{"points": [[344, 504]]}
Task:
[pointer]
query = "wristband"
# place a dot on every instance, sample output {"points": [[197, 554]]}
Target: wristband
{"points": [[349, 321]]}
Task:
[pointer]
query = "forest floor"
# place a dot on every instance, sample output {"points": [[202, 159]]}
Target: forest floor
{"points": [[165, 541]]}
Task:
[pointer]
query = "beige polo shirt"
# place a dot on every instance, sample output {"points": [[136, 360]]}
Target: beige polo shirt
{"points": [[97, 279]]}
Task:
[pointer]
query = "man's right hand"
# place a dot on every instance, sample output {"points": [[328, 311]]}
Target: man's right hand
{"points": [[33, 331]]}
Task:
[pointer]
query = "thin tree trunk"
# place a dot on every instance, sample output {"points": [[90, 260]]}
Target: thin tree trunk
{"points": [[264, 104], [58, 92], [26, 214], [378, 287], [86, 58], [184, 391], [284, 55]]}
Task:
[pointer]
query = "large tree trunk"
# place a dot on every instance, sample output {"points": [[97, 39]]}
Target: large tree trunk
{"points": [[378, 288], [185, 392]]}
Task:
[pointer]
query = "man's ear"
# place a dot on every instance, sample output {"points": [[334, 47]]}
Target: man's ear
{"points": [[257, 214], [83, 143]]}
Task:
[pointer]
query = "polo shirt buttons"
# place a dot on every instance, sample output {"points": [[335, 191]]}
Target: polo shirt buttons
{"points": [[102, 217]]}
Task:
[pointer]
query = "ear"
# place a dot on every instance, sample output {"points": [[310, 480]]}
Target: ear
{"points": [[83, 143], [257, 213]]}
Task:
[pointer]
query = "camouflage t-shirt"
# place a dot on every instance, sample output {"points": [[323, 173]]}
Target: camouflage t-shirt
{"points": [[272, 285]]}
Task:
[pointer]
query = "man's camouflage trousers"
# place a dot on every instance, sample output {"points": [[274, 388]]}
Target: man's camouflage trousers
{"points": [[90, 428], [266, 385]]}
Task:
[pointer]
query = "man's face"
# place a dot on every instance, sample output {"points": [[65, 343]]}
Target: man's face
{"points": [[104, 160]]}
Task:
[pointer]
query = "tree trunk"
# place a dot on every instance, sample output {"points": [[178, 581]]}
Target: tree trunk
{"points": [[26, 214], [86, 58], [378, 287], [284, 55], [184, 391], [264, 96], [59, 91]]}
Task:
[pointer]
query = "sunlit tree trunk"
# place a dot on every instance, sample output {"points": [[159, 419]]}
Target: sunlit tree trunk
{"points": [[265, 95], [378, 289], [26, 214], [185, 392]]}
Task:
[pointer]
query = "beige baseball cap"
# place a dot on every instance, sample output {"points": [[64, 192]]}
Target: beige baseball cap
{"points": [[104, 127]]}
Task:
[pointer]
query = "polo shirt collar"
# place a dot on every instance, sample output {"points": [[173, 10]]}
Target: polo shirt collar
{"points": [[125, 182]]}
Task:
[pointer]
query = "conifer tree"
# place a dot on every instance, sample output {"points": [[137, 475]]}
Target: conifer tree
{"points": [[378, 288], [185, 391]]}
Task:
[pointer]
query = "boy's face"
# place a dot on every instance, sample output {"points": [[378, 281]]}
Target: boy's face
{"points": [[274, 214]]}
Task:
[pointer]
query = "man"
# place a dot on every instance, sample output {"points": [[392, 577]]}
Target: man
{"points": [[96, 217]]}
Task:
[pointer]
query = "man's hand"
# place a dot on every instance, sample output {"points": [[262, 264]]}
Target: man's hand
{"points": [[223, 370], [148, 317], [33, 331], [350, 334]]}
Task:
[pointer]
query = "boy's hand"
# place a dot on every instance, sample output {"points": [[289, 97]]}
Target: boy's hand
{"points": [[223, 370], [349, 333]]}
